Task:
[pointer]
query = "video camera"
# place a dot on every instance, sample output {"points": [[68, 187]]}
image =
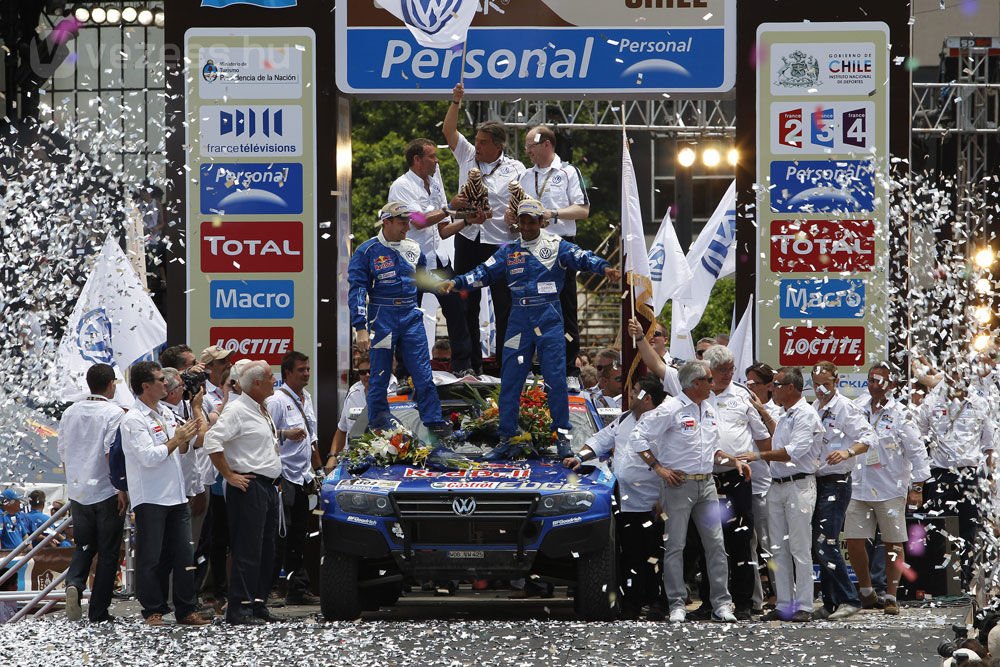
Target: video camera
{"points": [[193, 382]]}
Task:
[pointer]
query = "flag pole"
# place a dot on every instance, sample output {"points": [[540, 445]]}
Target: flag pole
{"points": [[461, 76]]}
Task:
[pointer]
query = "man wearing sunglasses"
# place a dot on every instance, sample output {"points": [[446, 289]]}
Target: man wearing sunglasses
{"points": [[679, 440]]}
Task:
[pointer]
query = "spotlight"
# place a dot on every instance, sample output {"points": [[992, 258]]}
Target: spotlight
{"points": [[982, 314], [145, 17], [983, 286], [98, 15], [711, 158], [981, 342], [686, 157], [129, 14], [984, 257], [114, 15], [733, 156], [81, 14], [159, 19]]}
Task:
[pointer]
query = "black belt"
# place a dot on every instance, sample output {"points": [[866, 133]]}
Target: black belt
{"points": [[796, 476], [842, 477], [275, 481], [956, 470]]}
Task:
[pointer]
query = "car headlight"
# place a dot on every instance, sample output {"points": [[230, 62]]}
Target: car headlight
{"points": [[565, 503], [355, 502]]}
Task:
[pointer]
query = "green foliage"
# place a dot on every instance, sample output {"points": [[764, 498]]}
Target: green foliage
{"points": [[718, 315]]}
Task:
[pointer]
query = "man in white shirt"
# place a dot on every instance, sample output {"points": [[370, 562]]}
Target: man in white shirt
{"points": [[848, 434], [639, 521], [796, 448], [744, 426], [217, 361], [679, 440], [294, 416], [484, 234], [559, 186], [86, 431], [243, 446], [153, 443], [657, 364], [759, 378], [421, 189], [886, 479], [609, 387], [957, 427]]}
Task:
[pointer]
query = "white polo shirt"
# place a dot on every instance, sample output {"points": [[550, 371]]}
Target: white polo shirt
{"points": [[682, 435], [410, 189], [899, 458], [287, 412], [639, 486], [86, 431], [497, 177], [247, 436], [739, 422], [845, 425], [155, 476], [556, 186], [800, 433], [191, 462], [960, 433]]}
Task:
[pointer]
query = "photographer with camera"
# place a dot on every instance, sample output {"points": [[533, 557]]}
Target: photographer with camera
{"points": [[218, 362]]}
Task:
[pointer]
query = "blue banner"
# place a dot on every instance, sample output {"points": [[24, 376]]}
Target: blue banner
{"points": [[833, 298], [266, 4], [823, 186], [251, 189], [521, 59], [253, 299]]}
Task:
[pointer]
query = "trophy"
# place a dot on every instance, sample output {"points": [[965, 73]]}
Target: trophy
{"points": [[476, 194], [517, 195]]}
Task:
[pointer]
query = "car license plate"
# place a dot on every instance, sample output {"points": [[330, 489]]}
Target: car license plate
{"points": [[466, 554]]}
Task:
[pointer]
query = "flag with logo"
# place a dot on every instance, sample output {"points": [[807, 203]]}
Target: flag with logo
{"points": [[436, 24], [638, 301], [741, 342], [668, 268], [712, 256], [266, 4], [114, 322]]}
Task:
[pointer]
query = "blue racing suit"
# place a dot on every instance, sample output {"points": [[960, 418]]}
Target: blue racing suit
{"points": [[383, 297], [535, 271]]}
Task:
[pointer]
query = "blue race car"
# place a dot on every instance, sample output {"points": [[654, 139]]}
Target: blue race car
{"points": [[399, 525]]}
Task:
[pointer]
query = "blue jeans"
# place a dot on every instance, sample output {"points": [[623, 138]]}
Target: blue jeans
{"points": [[832, 498]]}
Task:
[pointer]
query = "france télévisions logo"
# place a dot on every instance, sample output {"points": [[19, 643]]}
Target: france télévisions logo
{"points": [[246, 122]]}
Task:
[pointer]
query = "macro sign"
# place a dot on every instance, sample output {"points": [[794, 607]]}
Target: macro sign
{"points": [[822, 148], [555, 47]]}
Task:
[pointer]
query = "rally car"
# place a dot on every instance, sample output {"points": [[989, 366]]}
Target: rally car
{"points": [[397, 525]]}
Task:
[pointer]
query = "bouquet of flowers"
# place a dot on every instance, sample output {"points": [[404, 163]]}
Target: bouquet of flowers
{"points": [[534, 418], [385, 447]]}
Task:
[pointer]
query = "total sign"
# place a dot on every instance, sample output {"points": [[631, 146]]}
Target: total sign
{"points": [[554, 47], [254, 247]]}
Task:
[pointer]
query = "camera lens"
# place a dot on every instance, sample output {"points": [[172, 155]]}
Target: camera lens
{"points": [[945, 649]]}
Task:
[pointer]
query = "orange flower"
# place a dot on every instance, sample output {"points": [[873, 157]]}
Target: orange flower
{"points": [[396, 440]]}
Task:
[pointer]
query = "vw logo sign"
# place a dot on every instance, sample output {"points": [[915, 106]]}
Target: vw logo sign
{"points": [[93, 337], [545, 253], [430, 16], [463, 506]]}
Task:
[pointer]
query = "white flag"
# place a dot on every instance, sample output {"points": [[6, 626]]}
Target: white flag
{"points": [[712, 256], [633, 238], [114, 322], [741, 343], [668, 268], [437, 24]]}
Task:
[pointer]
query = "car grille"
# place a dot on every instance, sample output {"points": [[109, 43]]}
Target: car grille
{"points": [[468, 531], [430, 505]]}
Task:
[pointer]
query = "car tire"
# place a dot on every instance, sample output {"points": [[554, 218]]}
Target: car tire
{"points": [[597, 583], [339, 596]]}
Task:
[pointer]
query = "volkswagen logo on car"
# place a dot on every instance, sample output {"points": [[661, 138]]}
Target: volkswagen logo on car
{"points": [[463, 506]]}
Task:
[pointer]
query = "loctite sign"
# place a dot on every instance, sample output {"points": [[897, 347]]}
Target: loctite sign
{"points": [[822, 246], [805, 346], [267, 343], [251, 247]]}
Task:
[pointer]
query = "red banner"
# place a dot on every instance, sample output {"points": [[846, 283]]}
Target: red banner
{"points": [[805, 346], [251, 247], [267, 343], [822, 246]]}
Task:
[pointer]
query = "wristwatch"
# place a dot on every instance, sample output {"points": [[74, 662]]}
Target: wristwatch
{"points": [[555, 215]]}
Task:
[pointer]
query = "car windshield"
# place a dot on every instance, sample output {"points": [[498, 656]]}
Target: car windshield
{"points": [[457, 401]]}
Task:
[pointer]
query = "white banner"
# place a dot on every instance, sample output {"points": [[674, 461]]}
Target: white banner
{"points": [[633, 238], [437, 24], [741, 343], [668, 268]]}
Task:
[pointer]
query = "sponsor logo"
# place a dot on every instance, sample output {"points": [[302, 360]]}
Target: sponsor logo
{"points": [[253, 299], [254, 130], [93, 337], [516, 258], [566, 522], [471, 473], [251, 247], [505, 486], [429, 16], [805, 346], [367, 484], [364, 522], [823, 68], [718, 248], [383, 262], [267, 343], [545, 252], [827, 246], [266, 4], [822, 186], [823, 128], [259, 73], [464, 506], [251, 189], [832, 298]]}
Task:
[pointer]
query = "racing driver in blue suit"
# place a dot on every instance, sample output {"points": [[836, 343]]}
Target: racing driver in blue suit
{"points": [[383, 276], [535, 269]]}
